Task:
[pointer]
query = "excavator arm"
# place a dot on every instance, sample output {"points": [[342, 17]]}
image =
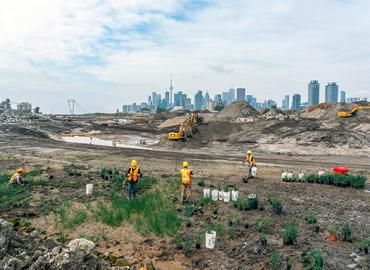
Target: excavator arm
{"points": [[343, 114]]}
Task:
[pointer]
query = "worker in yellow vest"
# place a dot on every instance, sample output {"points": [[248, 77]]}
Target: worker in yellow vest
{"points": [[251, 163], [17, 178], [186, 174], [133, 174]]}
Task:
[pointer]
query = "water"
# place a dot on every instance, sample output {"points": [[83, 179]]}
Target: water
{"points": [[131, 141]]}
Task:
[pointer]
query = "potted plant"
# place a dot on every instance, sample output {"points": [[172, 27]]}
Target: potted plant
{"points": [[235, 194], [364, 245], [347, 233], [263, 240], [226, 193], [290, 234], [333, 233], [252, 201], [277, 206]]}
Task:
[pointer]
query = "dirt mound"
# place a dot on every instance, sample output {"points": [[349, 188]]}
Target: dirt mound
{"points": [[237, 109], [325, 110], [172, 122], [273, 113]]}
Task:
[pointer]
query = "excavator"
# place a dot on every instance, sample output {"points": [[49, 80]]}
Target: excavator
{"points": [[353, 112], [186, 129]]}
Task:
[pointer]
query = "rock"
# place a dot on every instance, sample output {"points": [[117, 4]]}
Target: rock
{"points": [[364, 262], [6, 235], [50, 244], [34, 233], [14, 264], [81, 244], [147, 265]]}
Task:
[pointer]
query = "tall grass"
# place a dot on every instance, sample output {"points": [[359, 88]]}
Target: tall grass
{"points": [[150, 213]]}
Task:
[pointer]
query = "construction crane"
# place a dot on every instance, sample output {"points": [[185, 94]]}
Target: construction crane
{"points": [[186, 129], [71, 105], [353, 112]]}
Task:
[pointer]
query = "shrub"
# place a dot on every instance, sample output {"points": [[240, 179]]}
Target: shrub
{"points": [[347, 233], [311, 218], [290, 234], [316, 259], [345, 180], [364, 245], [262, 224], [201, 183], [275, 259]]}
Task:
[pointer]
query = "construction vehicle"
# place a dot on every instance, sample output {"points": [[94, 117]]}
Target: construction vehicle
{"points": [[353, 112], [186, 129]]}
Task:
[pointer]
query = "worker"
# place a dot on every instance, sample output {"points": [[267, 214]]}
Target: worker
{"points": [[17, 178], [251, 163], [133, 174], [186, 174]]}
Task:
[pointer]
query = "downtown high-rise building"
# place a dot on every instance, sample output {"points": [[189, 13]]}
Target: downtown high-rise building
{"points": [[199, 101], [232, 95], [218, 99], [313, 93], [331, 92], [240, 94], [251, 100], [296, 102], [285, 102], [342, 96]]}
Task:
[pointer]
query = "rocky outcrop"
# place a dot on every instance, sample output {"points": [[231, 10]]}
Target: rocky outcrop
{"points": [[28, 251]]}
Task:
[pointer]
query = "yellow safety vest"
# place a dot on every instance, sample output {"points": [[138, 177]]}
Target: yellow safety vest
{"points": [[133, 174], [250, 160], [11, 181], [185, 175]]}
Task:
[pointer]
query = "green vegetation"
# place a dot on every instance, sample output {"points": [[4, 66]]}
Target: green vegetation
{"points": [[150, 213], [316, 259], [275, 259], [276, 204], [201, 183], [346, 233], [364, 245], [290, 234], [69, 217], [340, 180], [262, 224], [311, 218], [247, 203], [333, 230], [12, 195]]}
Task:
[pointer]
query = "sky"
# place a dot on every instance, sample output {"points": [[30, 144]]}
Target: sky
{"points": [[106, 53]]}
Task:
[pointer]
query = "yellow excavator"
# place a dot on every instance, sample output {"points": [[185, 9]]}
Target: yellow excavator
{"points": [[343, 114], [186, 129]]}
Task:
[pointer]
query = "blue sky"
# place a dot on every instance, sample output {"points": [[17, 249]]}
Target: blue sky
{"points": [[105, 53]]}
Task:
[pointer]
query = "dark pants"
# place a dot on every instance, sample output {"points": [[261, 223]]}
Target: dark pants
{"points": [[132, 188], [250, 172]]}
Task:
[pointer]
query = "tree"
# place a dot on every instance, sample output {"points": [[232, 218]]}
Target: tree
{"points": [[219, 107]]}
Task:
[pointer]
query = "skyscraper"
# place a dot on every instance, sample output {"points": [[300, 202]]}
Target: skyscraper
{"points": [[296, 102], [226, 98], [342, 96], [313, 93], [331, 92], [218, 99], [198, 101], [286, 102], [232, 95], [240, 94], [167, 97], [206, 100]]}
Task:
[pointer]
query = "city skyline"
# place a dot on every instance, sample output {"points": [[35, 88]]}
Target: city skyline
{"points": [[104, 53]]}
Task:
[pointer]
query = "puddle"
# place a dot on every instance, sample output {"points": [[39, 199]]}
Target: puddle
{"points": [[131, 141]]}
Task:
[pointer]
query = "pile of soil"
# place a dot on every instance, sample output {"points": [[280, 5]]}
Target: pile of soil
{"points": [[325, 110], [172, 122], [237, 109], [273, 113]]}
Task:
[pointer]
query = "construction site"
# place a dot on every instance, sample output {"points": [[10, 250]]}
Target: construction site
{"points": [[306, 206]]}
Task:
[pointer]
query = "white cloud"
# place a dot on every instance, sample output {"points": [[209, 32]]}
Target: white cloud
{"points": [[270, 47]]}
